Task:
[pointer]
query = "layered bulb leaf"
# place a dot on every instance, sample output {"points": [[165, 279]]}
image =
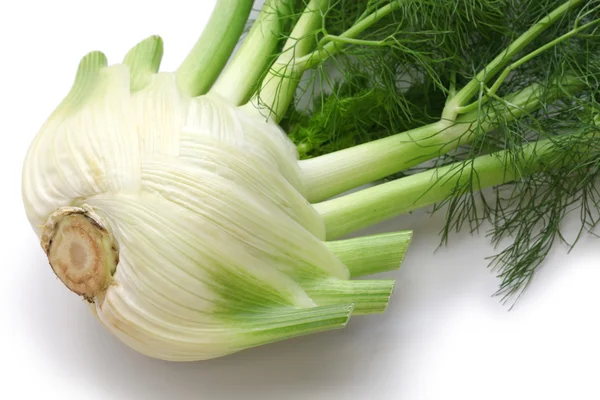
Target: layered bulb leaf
{"points": [[183, 220]]}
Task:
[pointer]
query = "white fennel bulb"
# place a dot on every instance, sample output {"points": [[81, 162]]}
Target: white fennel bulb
{"points": [[182, 220]]}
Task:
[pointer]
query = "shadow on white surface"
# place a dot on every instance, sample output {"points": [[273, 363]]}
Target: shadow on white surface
{"points": [[344, 361]]}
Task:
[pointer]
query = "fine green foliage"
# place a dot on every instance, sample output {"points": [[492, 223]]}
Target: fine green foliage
{"points": [[358, 113], [405, 63], [401, 72], [530, 211]]}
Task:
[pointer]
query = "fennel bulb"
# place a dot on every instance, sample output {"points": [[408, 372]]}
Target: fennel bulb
{"points": [[182, 219], [177, 206]]}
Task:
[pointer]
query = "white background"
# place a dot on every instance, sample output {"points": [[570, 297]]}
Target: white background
{"points": [[444, 336]]}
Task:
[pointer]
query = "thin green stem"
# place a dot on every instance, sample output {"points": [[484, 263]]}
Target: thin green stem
{"points": [[361, 42], [491, 91], [347, 214], [333, 47], [470, 89], [209, 55], [241, 76], [367, 255], [279, 85], [302, 39], [452, 88], [337, 172]]}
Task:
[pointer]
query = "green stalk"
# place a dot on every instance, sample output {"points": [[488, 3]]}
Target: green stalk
{"points": [[337, 172], [337, 43], [489, 93], [279, 85], [340, 171], [334, 173], [367, 255], [368, 296], [209, 55], [285, 323], [367, 207], [240, 78], [494, 67]]}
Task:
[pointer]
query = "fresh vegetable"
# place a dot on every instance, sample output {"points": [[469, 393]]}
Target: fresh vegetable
{"points": [[175, 204]]}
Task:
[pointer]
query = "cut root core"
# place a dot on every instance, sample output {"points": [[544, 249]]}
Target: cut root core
{"points": [[81, 251]]}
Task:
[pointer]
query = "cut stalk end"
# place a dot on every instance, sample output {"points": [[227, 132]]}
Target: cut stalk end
{"points": [[81, 251], [366, 255], [368, 296]]}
